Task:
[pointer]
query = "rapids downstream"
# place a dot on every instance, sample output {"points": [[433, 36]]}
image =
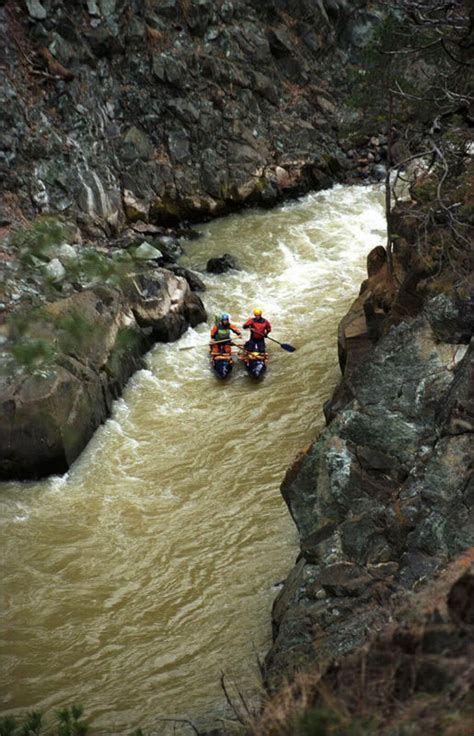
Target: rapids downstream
{"points": [[130, 583]]}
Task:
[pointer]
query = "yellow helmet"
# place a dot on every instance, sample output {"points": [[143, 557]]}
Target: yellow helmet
{"points": [[257, 312]]}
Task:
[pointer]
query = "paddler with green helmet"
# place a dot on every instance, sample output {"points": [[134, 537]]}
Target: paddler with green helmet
{"points": [[220, 334]]}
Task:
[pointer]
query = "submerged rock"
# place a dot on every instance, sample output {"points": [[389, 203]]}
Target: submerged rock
{"points": [[221, 264]]}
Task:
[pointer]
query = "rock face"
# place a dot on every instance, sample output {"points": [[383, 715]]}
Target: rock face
{"points": [[169, 110], [385, 497], [96, 339], [417, 671]]}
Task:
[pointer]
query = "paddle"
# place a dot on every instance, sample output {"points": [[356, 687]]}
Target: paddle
{"points": [[214, 342], [284, 345]]}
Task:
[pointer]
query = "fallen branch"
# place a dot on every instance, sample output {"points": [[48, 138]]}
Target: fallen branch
{"points": [[181, 720], [55, 67]]}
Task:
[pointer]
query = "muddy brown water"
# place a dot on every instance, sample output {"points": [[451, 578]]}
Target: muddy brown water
{"points": [[132, 582]]}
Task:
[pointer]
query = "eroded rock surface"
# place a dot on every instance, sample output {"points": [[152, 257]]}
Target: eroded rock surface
{"points": [[115, 111], [96, 339], [416, 674]]}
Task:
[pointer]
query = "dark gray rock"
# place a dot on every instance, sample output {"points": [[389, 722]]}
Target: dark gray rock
{"points": [[135, 145], [221, 264], [170, 247], [384, 498], [195, 283], [344, 578], [281, 43], [452, 320], [158, 87], [36, 10], [48, 417], [178, 146]]}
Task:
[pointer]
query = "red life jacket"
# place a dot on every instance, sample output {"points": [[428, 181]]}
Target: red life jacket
{"points": [[259, 327]]}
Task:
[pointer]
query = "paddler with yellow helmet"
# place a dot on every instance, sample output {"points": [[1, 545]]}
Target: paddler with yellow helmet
{"points": [[259, 329]]}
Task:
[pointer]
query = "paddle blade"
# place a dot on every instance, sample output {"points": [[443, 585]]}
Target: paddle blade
{"points": [[288, 348]]}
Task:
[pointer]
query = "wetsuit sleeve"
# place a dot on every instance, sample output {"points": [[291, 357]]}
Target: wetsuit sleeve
{"points": [[236, 330], [213, 331], [268, 326], [248, 323]]}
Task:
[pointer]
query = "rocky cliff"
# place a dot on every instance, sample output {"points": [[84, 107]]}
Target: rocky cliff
{"points": [[384, 499], [118, 110], [414, 676]]}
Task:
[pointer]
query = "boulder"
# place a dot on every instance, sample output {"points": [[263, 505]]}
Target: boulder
{"points": [[170, 247], [195, 283], [163, 301], [55, 271], [67, 254], [221, 264], [147, 252], [36, 10], [135, 209], [344, 578], [92, 8], [96, 338]]}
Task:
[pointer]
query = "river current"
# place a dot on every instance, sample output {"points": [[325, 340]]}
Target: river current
{"points": [[132, 582]]}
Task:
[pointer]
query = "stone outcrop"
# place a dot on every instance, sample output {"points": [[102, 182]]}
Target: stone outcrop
{"points": [[129, 110], [384, 498], [416, 674], [93, 342]]}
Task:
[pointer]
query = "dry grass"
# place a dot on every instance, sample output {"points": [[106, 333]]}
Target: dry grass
{"points": [[407, 681], [294, 93], [294, 701], [287, 19], [184, 8], [157, 40]]}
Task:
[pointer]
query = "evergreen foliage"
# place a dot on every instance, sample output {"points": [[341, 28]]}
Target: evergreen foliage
{"points": [[68, 721], [324, 722], [37, 239]]}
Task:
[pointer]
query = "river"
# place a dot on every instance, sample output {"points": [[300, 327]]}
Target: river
{"points": [[132, 582]]}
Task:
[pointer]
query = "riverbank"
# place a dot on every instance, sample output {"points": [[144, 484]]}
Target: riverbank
{"points": [[383, 499], [383, 502], [125, 118]]}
